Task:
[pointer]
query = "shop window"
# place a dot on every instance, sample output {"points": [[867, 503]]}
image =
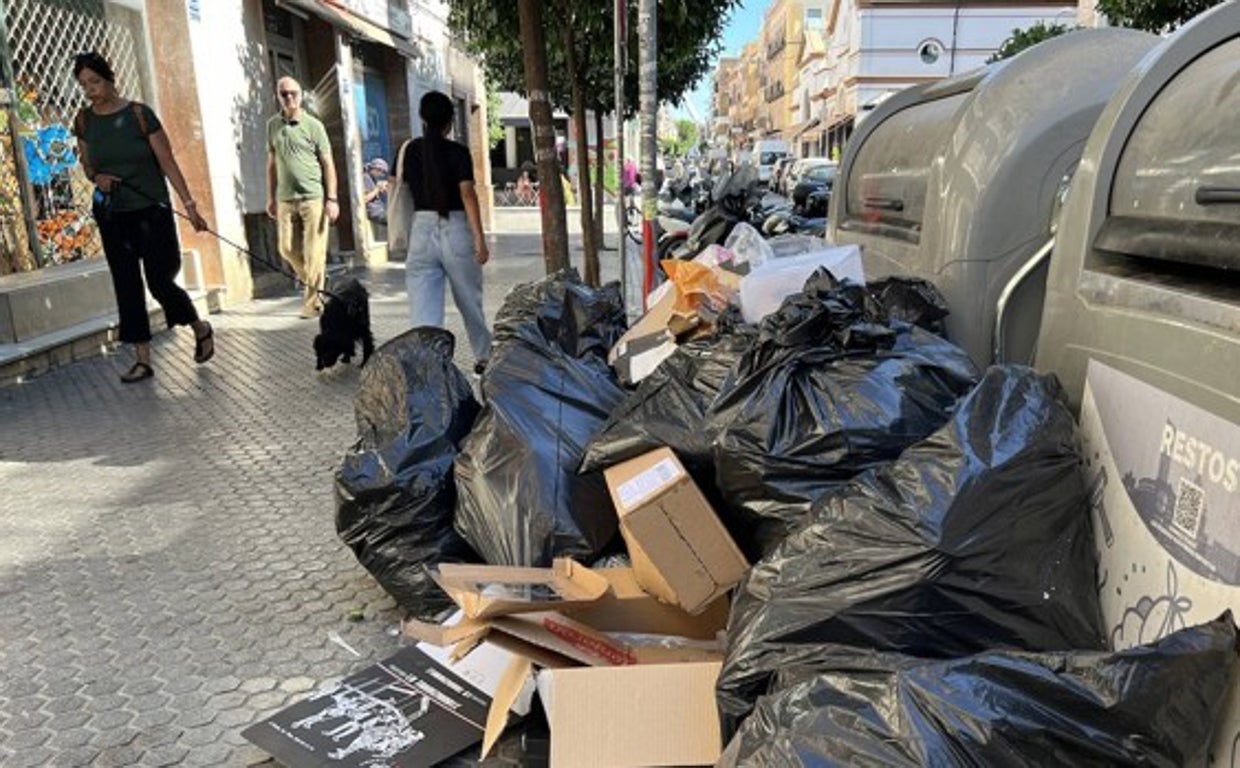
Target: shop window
{"points": [[42, 152]]}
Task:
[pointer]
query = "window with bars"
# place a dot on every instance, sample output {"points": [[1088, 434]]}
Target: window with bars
{"points": [[43, 36]]}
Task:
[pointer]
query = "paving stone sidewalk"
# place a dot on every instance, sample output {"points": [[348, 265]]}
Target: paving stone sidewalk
{"points": [[169, 570]]}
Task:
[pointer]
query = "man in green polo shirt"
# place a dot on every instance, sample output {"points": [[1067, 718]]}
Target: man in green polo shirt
{"points": [[301, 190]]}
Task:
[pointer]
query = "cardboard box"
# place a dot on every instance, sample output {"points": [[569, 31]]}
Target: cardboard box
{"points": [[646, 344], [648, 714], [622, 607], [651, 340], [483, 591], [645, 633], [572, 641], [626, 607], [681, 552]]}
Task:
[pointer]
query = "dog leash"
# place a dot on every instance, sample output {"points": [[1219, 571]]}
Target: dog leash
{"points": [[253, 256]]}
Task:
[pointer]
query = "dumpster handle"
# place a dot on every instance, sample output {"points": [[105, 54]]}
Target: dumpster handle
{"points": [[1217, 195], [884, 203], [1001, 306]]}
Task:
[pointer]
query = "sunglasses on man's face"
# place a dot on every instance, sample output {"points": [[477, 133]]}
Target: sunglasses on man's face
{"points": [[289, 94]]}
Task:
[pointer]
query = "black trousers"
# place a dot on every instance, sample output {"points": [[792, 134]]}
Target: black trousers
{"points": [[144, 241]]}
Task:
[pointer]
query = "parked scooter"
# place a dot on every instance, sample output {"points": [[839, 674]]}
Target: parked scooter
{"points": [[732, 197]]}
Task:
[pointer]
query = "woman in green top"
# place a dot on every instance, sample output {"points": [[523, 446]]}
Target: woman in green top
{"points": [[126, 153]]}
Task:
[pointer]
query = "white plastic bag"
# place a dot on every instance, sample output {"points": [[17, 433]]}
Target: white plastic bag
{"points": [[749, 246], [765, 288]]}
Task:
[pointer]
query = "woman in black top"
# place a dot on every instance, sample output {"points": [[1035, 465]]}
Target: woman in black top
{"points": [[126, 153], [446, 240]]}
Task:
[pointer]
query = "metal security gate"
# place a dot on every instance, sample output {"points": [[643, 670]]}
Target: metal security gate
{"points": [[42, 37]]}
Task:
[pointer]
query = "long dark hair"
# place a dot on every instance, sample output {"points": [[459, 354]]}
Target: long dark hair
{"points": [[436, 113]]}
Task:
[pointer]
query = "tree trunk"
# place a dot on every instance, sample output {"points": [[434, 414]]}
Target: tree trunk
{"points": [[550, 190], [588, 234], [589, 250], [648, 80], [600, 157]]}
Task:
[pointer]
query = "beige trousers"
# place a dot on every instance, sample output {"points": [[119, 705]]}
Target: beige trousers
{"points": [[302, 228]]}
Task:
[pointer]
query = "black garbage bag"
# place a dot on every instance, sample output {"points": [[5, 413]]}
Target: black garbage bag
{"points": [[976, 538], [548, 388], [826, 312], [395, 494], [911, 300], [830, 389], [668, 408], [1154, 705], [565, 313]]}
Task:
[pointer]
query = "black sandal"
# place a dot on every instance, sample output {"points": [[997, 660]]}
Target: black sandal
{"points": [[138, 372], [204, 345]]}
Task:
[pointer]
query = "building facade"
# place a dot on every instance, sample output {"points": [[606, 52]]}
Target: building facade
{"points": [[876, 48], [819, 65], [783, 35], [726, 96]]}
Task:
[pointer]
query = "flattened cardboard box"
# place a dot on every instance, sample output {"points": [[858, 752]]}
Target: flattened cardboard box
{"points": [[578, 643], [483, 591], [680, 550], [651, 340], [623, 606], [626, 607]]}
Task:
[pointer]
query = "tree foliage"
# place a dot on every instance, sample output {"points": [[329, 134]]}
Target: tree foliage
{"points": [[1027, 38], [690, 34], [495, 129], [686, 139], [1159, 16]]}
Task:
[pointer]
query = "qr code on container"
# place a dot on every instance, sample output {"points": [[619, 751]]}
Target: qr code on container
{"points": [[1190, 502]]}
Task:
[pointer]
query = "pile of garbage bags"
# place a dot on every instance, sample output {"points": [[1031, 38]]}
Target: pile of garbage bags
{"points": [[976, 538], [923, 587], [1152, 705], [830, 388], [395, 495]]}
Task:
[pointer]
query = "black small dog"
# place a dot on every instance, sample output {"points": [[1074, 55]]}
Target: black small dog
{"points": [[345, 320]]}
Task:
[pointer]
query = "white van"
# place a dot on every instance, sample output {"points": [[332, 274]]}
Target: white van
{"points": [[765, 154]]}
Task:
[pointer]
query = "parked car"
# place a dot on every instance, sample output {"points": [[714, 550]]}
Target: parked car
{"points": [[798, 169], [818, 177]]}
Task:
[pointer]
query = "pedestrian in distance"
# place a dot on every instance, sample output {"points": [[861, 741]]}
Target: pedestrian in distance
{"points": [[374, 190], [525, 190], [127, 155], [446, 241], [628, 177], [301, 191]]}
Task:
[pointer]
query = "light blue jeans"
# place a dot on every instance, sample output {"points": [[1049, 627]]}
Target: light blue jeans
{"points": [[444, 248]]}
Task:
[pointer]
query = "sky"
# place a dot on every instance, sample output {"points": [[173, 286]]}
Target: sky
{"points": [[745, 25]]}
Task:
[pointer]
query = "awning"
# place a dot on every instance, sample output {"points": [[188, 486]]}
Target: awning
{"points": [[356, 26], [807, 125]]}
